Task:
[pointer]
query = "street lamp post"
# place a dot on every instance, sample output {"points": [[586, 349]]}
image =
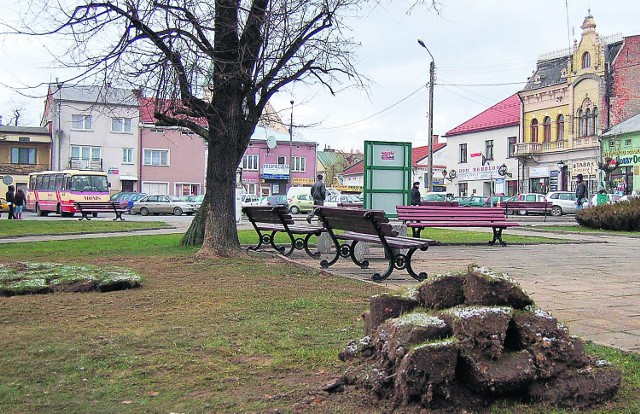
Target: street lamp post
{"points": [[432, 70], [291, 146]]}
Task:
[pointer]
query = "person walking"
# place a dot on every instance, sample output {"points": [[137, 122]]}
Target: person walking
{"points": [[10, 197], [581, 192], [318, 194], [415, 194], [20, 201]]}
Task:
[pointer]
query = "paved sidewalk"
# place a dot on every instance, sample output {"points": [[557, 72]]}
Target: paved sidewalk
{"points": [[591, 285]]}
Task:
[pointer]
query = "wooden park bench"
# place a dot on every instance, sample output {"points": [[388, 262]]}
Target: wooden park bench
{"points": [[526, 207], [269, 220], [419, 217], [94, 207], [355, 225]]}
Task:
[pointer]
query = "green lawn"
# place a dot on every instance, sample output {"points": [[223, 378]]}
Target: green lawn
{"points": [[11, 228], [223, 336]]}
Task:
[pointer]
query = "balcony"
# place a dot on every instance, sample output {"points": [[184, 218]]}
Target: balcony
{"points": [[586, 142], [527, 148], [84, 164], [22, 169]]}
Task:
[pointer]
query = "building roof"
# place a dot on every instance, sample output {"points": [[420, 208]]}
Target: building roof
{"points": [[10, 129], [329, 158], [501, 115], [626, 127], [95, 95], [355, 169], [548, 73], [420, 153]]}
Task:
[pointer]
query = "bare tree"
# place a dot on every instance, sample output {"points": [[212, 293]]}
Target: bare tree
{"points": [[243, 51]]}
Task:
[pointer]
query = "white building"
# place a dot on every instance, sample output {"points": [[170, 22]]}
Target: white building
{"points": [[490, 136], [95, 128]]}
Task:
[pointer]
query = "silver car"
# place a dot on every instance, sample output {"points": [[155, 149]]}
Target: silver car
{"points": [[163, 204], [564, 202]]}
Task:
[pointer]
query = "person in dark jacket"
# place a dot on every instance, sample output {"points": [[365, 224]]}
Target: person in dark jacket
{"points": [[581, 192], [415, 194], [10, 196], [20, 200], [318, 193]]}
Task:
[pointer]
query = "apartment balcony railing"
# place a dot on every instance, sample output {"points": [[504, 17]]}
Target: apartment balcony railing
{"points": [[83, 164], [22, 169], [585, 142], [529, 148]]}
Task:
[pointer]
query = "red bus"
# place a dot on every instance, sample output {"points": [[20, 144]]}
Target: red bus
{"points": [[55, 191]]}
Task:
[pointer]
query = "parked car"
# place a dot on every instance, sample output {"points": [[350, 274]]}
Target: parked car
{"points": [[300, 203], [128, 199], [564, 202], [250, 200], [437, 196], [163, 204], [3, 205], [495, 200], [196, 199], [120, 195], [275, 200], [524, 197], [334, 200], [628, 197], [471, 201]]}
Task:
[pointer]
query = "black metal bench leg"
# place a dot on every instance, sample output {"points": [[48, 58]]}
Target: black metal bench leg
{"points": [[377, 277], [315, 255], [497, 236], [418, 276], [281, 249], [118, 216], [341, 250], [352, 254], [262, 239]]}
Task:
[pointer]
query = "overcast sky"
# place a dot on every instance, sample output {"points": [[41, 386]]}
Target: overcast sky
{"points": [[484, 51]]}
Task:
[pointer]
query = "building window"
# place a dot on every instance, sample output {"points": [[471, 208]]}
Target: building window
{"points": [[547, 129], [586, 60], [127, 155], [560, 128], [593, 122], [579, 123], [86, 157], [463, 188], [156, 157], [282, 160], [299, 164], [463, 153], [627, 142], [512, 146], [121, 125], [488, 149], [250, 162], [82, 122], [187, 189], [23, 155], [534, 130]]}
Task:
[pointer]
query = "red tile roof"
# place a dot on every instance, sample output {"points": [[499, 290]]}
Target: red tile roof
{"points": [[500, 115], [355, 169], [147, 106]]}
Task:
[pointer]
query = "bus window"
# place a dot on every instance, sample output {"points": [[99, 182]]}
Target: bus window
{"points": [[79, 183], [99, 183], [39, 182], [52, 182], [59, 182], [32, 182]]}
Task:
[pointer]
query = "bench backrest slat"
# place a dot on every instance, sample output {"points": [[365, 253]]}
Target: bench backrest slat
{"points": [[269, 215], [456, 214], [356, 220]]}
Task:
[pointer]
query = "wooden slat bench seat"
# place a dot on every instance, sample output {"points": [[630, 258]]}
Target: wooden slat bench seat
{"points": [[356, 225], [526, 207], [268, 220], [419, 217], [85, 208]]}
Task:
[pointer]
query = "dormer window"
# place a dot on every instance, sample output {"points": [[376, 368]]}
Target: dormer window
{"points": [[563, 73], [586, 60]]}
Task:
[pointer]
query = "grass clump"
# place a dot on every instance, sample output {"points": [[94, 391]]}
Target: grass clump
{"points": [[24, 278], [621, 216]]}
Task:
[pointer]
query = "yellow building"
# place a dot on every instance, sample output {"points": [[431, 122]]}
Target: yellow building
{"points": [[22, 150], [563, 103]]}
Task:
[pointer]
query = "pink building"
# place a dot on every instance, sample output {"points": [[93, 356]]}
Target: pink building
{"points": [[172, 160], [265, 165]]}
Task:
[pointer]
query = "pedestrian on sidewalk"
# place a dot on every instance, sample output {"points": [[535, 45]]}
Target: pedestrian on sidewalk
{"points": [[581, 192], [20, 201], [10, 197], [415, 194], [318, 194]]}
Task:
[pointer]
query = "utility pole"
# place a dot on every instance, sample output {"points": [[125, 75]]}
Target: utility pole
{"points": [[432, 76], [291, 146]]}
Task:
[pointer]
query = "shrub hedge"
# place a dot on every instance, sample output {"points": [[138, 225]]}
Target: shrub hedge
{"points": [[622, 216]]}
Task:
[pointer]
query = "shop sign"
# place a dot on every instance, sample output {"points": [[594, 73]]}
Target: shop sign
{"points": [[535, 172], [275, 172], [583, 167], [302, 181], [113, 170]]}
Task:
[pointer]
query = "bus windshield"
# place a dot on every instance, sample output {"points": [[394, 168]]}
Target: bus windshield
{"points": [[93, 183]]}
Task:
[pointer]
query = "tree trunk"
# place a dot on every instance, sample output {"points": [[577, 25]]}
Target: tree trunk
{"points": [[195, 233]]}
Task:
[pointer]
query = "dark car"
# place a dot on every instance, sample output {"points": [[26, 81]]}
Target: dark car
{"points": [[276, 200]]}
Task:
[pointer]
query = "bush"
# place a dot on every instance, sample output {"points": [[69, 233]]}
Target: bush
{"points": [[621, 216]]}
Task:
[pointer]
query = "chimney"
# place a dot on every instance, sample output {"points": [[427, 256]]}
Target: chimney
{"points": [[435, 139]]}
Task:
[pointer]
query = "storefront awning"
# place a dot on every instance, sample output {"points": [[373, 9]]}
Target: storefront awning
{"points": [[128, 178]]}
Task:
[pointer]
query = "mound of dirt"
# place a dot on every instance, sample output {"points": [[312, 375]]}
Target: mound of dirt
{"points": [[461, 340]]}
